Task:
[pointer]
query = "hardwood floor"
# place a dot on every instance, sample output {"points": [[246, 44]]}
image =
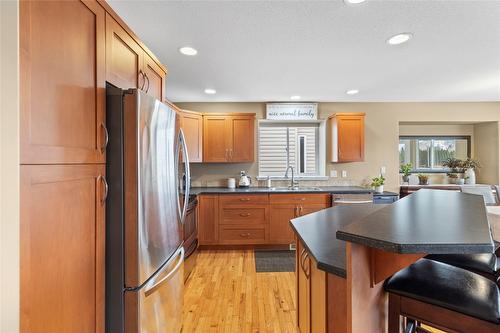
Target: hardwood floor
{"points": [[225, 294]]}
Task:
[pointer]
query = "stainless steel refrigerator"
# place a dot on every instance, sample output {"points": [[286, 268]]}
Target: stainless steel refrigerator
{"points": [[145, 209]]}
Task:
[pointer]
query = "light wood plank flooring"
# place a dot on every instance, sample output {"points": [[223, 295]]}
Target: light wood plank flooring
{"points": [[225, 294]]}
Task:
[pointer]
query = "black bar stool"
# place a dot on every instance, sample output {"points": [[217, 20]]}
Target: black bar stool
{"points": [[443, 296], [485, 264]]}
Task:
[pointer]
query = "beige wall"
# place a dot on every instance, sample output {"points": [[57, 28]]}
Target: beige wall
{"points": [[381, 136], [487, 151], [9, 168]]}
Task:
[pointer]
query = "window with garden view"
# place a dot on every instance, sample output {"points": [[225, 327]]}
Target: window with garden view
{"points": [[427, 153]]}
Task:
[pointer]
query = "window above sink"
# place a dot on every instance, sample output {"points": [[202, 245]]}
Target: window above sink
{"points": [[299, 144]]}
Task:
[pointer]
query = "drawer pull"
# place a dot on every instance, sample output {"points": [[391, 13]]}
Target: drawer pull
{"points": [[302, 199], [244, 199], [245, 234], [245, 214]]}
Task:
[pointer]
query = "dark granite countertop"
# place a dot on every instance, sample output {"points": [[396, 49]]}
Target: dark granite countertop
{"points": [[428, 221], [319, 189], [317, 233]]}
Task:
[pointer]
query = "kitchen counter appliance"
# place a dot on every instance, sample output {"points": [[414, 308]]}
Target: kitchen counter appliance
{"points": [[144, 214]]}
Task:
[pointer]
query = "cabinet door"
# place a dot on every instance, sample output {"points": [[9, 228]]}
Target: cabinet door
{"points": [[351, 138], [208, 220], [123, 57], [215, 133], [303, 290], [192, 125], [280, 231], [62, 67], [155, 78], [317, 298], [241, 138], [62, 248]]}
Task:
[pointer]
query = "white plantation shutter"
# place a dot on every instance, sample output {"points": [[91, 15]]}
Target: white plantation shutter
{"points": [[272, 150], [273, 142]]}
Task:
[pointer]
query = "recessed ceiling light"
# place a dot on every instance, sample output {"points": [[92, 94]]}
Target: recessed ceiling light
{"points": [[188, 50], [352, 92], [210, 91], [354, 2], [295, 97], [399, 38]]}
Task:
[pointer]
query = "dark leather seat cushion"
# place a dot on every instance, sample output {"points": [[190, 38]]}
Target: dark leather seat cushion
{"points": [[486, 263], [448, 287]]}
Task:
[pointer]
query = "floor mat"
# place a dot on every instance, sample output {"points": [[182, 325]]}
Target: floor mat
{"points": [[274, 261]]}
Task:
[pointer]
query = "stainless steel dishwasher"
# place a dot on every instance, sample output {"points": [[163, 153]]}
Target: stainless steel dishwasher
{"points": [[351, 199]]}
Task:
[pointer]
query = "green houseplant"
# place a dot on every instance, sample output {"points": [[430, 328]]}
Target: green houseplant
{"points": [[378, 184], [456, 166], [406, 171], [423, 179]]}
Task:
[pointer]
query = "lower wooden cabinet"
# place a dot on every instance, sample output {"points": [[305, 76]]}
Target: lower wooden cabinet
{"points": [[208, 224], [234, 219], [321, 297], [62, 248], [285, 207]]}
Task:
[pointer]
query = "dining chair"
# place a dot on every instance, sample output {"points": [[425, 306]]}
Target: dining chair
{"points": [[484, 190]]}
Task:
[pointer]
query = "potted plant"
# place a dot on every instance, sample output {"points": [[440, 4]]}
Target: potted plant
{"points": [[423, 179], [378, 184], [470, 166], [406, 171], [456, 166]]}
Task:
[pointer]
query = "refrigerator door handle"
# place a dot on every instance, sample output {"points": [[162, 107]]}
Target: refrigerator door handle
{"points": [[157, 284], [185, 157]]}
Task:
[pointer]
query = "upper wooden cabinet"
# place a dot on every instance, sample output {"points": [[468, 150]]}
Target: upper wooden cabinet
{"points": [[155, 77], [62, 235], [192, 126], [128, 65], [228, 137], [62, 66], [347, 133]]}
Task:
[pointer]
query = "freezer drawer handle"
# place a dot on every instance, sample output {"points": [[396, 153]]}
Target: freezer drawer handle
{"points": [[352, 201], [152, 289]]}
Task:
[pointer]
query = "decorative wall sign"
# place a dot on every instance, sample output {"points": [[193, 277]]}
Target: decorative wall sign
{"points": [[292, 111]]}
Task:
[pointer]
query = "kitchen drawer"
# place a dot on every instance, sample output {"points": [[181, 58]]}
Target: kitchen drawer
{"points": [[242, 235], [239, 215], [243, 199], [300, 198]]}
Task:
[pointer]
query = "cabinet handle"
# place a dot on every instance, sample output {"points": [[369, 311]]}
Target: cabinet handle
{"points": [[102, 179], [301, 210], [245, 234], [301, 259], [231, 154], [141, 73], [245, 214], [147, 78], [244, 199], [306, 272], [225, 155], [295, 213], [106, 138]]}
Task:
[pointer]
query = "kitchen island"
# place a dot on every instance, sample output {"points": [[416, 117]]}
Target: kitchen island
{"points": [[345, 254]]}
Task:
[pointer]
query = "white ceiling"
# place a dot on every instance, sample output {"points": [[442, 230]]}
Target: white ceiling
{"points": [[271, 50]]}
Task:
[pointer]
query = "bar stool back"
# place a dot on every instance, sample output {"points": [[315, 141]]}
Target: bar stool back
{"points": [[442, 296]]}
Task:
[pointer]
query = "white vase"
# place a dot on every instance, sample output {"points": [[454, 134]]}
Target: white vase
{"points": [[379, 189], [470, 176]]}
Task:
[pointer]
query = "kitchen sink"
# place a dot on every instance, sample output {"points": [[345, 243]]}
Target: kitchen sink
{"points": [[294, 189]]}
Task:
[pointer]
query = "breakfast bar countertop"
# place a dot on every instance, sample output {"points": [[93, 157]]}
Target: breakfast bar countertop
{"points": [[317, 231], [428, 221]]}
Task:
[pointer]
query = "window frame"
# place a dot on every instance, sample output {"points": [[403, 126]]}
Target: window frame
{"points": [[320, 125], [468, 138]]}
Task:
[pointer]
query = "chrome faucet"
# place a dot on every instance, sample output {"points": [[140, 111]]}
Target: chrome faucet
{"points": [[294, 183]]}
